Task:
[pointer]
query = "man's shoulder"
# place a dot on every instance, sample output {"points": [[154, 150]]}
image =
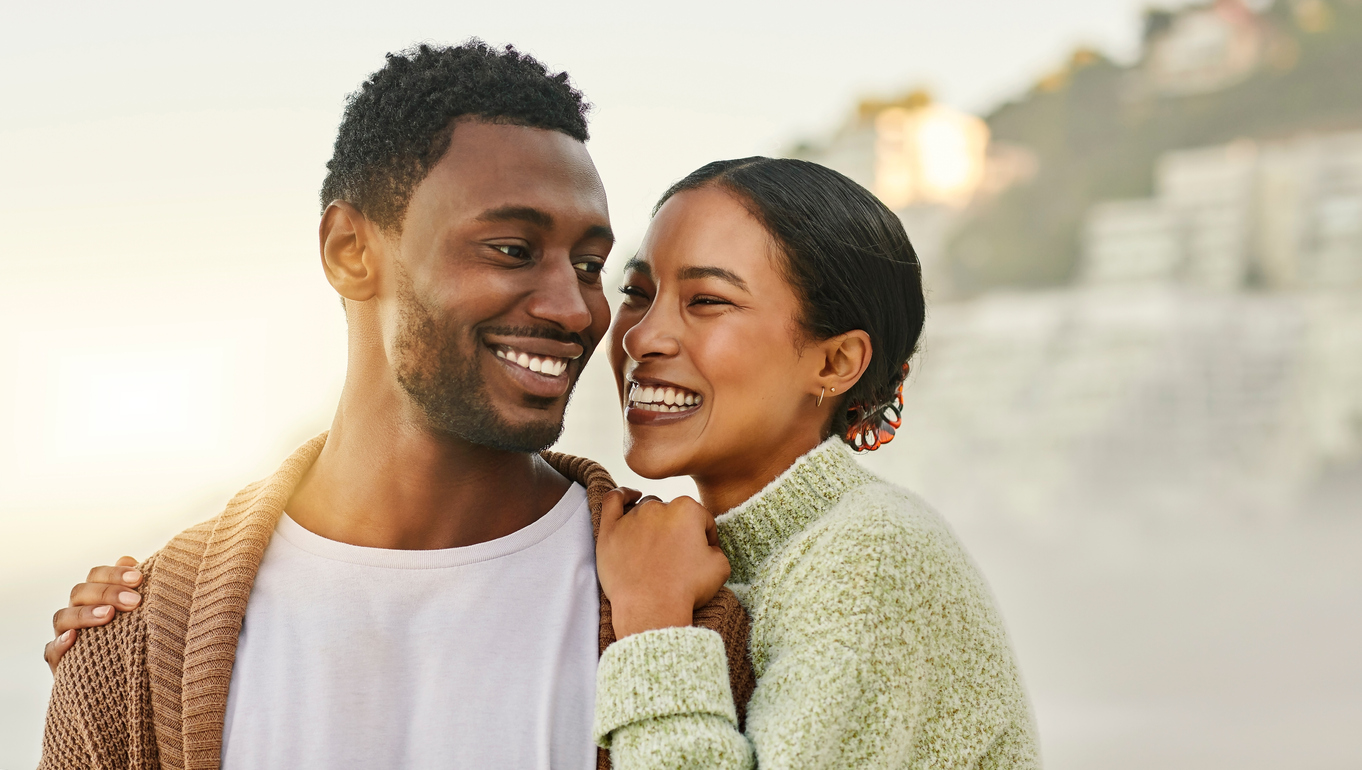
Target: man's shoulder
{"points": [[581, 470], [185, 551]]}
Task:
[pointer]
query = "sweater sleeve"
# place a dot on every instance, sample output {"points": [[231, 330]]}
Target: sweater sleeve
{"points": [[99, 715], [663, 700], [837, 688]]}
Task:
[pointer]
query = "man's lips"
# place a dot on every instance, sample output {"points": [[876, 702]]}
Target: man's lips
{"points": [[536, 347], [539, 374]]}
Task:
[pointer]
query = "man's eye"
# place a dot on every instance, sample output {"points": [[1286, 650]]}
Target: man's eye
{"points": [[589, 267], [511, 251]]}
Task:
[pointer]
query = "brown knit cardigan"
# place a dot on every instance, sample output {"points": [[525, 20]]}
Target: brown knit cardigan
{"points": [[149, 689]]}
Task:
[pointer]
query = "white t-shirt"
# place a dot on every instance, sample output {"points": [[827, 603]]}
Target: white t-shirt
{"points": [[474, 657]]}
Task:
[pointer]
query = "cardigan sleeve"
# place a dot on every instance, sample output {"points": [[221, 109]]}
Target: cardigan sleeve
{"points": [[99, 715], [838, 688]]}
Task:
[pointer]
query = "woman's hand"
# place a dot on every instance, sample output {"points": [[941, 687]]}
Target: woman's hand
{"points": [[93, 603], [657, 563]]}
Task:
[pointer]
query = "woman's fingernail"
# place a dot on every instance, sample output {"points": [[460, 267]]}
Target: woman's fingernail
{"points": [[132, 577], [65, 636], [100, 612], [128, 597]]}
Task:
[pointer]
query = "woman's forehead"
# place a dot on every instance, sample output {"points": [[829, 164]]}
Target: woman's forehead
{"points": [[703, 233]]}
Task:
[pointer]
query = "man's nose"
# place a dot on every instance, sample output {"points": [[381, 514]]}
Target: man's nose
{"points": [[557, 297]]}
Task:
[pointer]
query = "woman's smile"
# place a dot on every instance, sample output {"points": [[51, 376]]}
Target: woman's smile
{"points": [[657, 402]]}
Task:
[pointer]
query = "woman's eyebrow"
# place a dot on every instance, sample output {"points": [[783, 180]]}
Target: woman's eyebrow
{"points": [[709, 271], [639, 266]]}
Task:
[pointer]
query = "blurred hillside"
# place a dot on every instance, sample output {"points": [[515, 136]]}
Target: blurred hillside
{"points": [[1207, 76], [1094, 131]]}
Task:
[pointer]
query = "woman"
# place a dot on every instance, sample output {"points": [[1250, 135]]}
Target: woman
{"points": [[768, 320]]}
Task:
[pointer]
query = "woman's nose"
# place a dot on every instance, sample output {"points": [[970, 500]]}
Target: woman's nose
{"points": [[654, 336]]}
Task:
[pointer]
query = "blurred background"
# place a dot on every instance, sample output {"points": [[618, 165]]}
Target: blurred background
{"points": [[1139, 396]]}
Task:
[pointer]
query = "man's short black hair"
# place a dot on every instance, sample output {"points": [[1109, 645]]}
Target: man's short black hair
{"points": [[398, 125]]}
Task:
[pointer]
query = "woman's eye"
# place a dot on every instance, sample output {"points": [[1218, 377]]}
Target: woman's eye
{"points": [[511, 251], [703, 300], [634, 292]]}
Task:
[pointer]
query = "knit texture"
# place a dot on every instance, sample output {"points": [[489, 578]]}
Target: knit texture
{"points": [[149, 690], [875, 644]]}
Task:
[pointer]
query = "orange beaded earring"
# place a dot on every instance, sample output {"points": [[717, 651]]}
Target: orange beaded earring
{"points": [[865, 437]]}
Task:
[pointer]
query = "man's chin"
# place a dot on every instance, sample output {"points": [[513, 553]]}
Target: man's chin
{"points": [[524, 437]]}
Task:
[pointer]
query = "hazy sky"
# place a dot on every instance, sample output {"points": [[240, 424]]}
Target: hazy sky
{"points": [[674, 85], [169, 332]]}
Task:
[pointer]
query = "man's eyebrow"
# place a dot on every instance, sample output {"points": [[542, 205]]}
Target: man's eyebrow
{"points": [[517, 214], [709, 271], [638, 266], [540, 219], [602, 232]]}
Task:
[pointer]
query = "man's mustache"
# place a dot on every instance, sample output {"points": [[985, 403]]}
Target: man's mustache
{"points": [[541, 332]]}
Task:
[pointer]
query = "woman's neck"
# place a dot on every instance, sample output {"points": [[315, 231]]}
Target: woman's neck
{"points": [[727, 488]]}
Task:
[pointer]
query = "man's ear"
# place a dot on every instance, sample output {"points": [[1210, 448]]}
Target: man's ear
{"points": [[350, 245], [845, 358]]}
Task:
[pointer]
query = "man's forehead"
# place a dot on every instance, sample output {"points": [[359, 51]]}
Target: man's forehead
{"points": [[499, 165]]}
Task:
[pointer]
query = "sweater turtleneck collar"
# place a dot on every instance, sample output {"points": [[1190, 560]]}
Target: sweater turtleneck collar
{"points": [[762, 525]]}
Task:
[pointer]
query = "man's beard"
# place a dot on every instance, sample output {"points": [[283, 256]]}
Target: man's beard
{"points": [[449, 388]]}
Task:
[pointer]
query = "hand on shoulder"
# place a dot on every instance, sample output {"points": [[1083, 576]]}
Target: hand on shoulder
{"points": [[657, 562], [106, 591]]}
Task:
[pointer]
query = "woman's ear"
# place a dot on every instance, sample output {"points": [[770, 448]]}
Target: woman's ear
{"points": [[349, 242], [845, 358]]}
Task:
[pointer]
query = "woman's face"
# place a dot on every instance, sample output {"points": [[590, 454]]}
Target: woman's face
{"points": [[707, 350]]}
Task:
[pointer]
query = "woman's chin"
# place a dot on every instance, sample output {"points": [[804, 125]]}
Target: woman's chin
{"points": [[653, 462]]}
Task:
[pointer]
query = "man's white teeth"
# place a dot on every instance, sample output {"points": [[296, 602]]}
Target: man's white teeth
{"points": [[550, 366], [658, 399]]}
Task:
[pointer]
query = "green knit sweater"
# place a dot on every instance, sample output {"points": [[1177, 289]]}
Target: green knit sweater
{"points": [[875, 643]]}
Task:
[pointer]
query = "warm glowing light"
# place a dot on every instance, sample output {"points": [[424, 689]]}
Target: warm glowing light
{"points": [[126, 403], [930, 154]]}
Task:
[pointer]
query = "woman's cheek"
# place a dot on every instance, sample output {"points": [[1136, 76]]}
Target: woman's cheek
{"points": [[624, 321]]}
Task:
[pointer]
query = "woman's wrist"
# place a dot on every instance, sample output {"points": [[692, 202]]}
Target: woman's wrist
{"points": [[635, 617]]}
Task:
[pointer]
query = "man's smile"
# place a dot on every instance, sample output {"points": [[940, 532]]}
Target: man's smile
{"points": [[530, 364], [548, 366]]}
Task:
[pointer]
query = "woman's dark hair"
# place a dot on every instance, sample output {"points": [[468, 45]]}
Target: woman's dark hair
{"points": [[846, 255]]}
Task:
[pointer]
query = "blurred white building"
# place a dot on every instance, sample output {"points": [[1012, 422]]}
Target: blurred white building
{"points": [[1208, 363], [1285, 215], [1153, 401]]}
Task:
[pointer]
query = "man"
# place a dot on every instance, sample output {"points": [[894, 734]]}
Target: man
{"points": [[465, 228]]}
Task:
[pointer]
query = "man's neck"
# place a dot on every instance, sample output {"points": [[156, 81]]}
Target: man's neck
{"points": [[388, 481]]}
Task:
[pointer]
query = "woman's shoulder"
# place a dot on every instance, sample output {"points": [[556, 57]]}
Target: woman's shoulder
{"points": [[881, 513], [880, 534]]}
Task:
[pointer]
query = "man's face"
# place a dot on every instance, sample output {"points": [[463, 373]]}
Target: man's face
{"points": [[492, 297]]}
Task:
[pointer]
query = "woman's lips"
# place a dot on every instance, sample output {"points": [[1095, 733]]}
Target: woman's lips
{"points": [[659, 403]]}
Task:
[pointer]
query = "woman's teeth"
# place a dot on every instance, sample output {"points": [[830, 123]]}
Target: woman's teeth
{"points": [[545, 365], [657, 399]]}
